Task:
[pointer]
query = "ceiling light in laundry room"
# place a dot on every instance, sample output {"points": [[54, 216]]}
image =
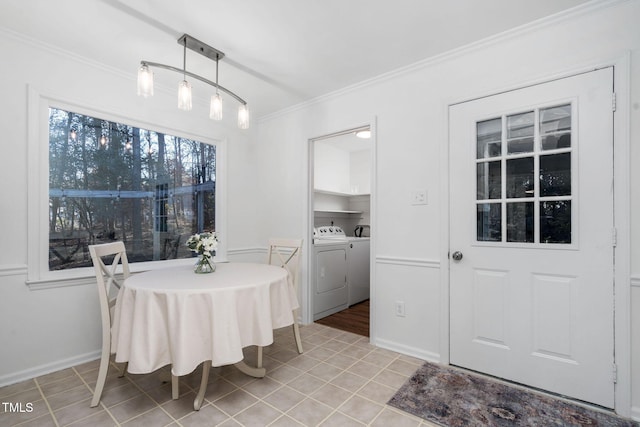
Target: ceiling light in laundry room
{"points": [[364, 134]]}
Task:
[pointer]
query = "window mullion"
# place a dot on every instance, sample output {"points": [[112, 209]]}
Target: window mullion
{"points": [[503, 179], [536, 177]]}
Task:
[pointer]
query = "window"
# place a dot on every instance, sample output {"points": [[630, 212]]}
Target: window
{"points": [[112, 181], [523, 177]]}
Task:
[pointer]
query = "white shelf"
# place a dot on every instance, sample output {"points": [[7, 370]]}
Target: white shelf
{"points": [[338, 193], [337, 211]]}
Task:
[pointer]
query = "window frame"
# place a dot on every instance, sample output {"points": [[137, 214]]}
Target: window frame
{"points": [[38, 274], [537, 199]]}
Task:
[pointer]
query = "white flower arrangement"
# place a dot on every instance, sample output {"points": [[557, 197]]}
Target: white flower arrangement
{"points": [[203, 244]]}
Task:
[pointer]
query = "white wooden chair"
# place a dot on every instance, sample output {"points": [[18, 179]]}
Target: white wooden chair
{"points": [[111, 277], [286, 253]]}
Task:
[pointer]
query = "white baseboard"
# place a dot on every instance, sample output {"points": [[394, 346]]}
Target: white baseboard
{"points": [[408, 350], [58, 365]]}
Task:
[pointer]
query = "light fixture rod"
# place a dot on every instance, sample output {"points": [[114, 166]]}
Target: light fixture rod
{"points": [[200, 47], [184, 59], [217, 72], [195, 76]]}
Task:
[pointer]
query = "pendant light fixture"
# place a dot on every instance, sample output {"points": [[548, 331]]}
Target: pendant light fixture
{"points": [[184, 88], [243, 117], [145, 81], [215, 110]]}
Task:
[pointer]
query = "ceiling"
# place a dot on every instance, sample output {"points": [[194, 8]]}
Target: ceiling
{"points": [[278, 52]]}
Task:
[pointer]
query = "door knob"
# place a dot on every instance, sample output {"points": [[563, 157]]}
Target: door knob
{"points": [[457, 256]]}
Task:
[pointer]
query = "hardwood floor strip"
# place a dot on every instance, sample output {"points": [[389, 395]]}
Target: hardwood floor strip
{"points": [[354, 319]]}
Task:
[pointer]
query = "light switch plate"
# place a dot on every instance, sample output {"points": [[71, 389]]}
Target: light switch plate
{"points": [[419, 197], [400, 310]]}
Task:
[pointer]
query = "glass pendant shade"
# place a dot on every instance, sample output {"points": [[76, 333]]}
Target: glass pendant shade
{"points": [[145, 81], [243, 117], [215, 111], [184, 96]]}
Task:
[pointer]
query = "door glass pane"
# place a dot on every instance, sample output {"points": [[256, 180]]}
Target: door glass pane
{"points": [[520, 130], [520, 177], [489, 138], [555, 221], [489, 222], [555, 175], [488, 181], [520, 222], [555, 127]]}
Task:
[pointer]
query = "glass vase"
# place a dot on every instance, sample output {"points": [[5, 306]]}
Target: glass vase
{"points": [[205, 264]]}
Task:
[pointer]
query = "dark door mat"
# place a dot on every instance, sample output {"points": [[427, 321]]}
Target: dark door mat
{"points": [[453, 397]]}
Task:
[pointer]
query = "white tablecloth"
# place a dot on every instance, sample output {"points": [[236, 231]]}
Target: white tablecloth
{"points": [[174, 316]]}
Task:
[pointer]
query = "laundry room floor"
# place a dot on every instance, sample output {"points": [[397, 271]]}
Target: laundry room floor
{"points": [[354, 319]]}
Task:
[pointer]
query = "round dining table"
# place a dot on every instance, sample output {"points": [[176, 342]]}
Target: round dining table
{"points": [[175, 316]]}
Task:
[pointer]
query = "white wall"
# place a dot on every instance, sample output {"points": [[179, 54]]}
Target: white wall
{"points": [[332, 168], [360, 171], [268, 175], [410, 111], [52, 328], [340, 170]]}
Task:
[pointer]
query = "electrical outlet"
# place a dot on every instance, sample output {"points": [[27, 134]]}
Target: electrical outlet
{"points": [[400, 308], [419, 197]]}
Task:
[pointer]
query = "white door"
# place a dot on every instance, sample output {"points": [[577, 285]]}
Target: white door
{"points": [[532, 236]]}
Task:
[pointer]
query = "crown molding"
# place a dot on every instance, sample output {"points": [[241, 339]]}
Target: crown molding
{"points": [[537, 25], [60, 52]]}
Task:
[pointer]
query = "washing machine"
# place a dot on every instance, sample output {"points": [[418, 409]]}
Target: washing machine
{"points": [[341, 270], [330, 289]]}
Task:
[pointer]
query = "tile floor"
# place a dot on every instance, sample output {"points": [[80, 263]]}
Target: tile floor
{"points": [[340, 380]]}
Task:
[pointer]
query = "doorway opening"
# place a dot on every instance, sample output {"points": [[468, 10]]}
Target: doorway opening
{"points": [[340, 226]]}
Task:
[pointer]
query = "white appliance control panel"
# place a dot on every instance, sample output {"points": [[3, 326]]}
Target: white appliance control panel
{"points": [[328, 232]]}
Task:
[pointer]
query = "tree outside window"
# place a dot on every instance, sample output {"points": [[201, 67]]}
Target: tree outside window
{"points": [[110, 181]]}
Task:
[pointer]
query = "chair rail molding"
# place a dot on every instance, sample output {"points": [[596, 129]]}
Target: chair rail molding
{"points": [[13, 270], [247, 251], [410, 262]]}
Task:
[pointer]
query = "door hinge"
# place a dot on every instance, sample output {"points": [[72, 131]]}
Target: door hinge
{"points": [[614, 373], [614, 104], [614, 237]]}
